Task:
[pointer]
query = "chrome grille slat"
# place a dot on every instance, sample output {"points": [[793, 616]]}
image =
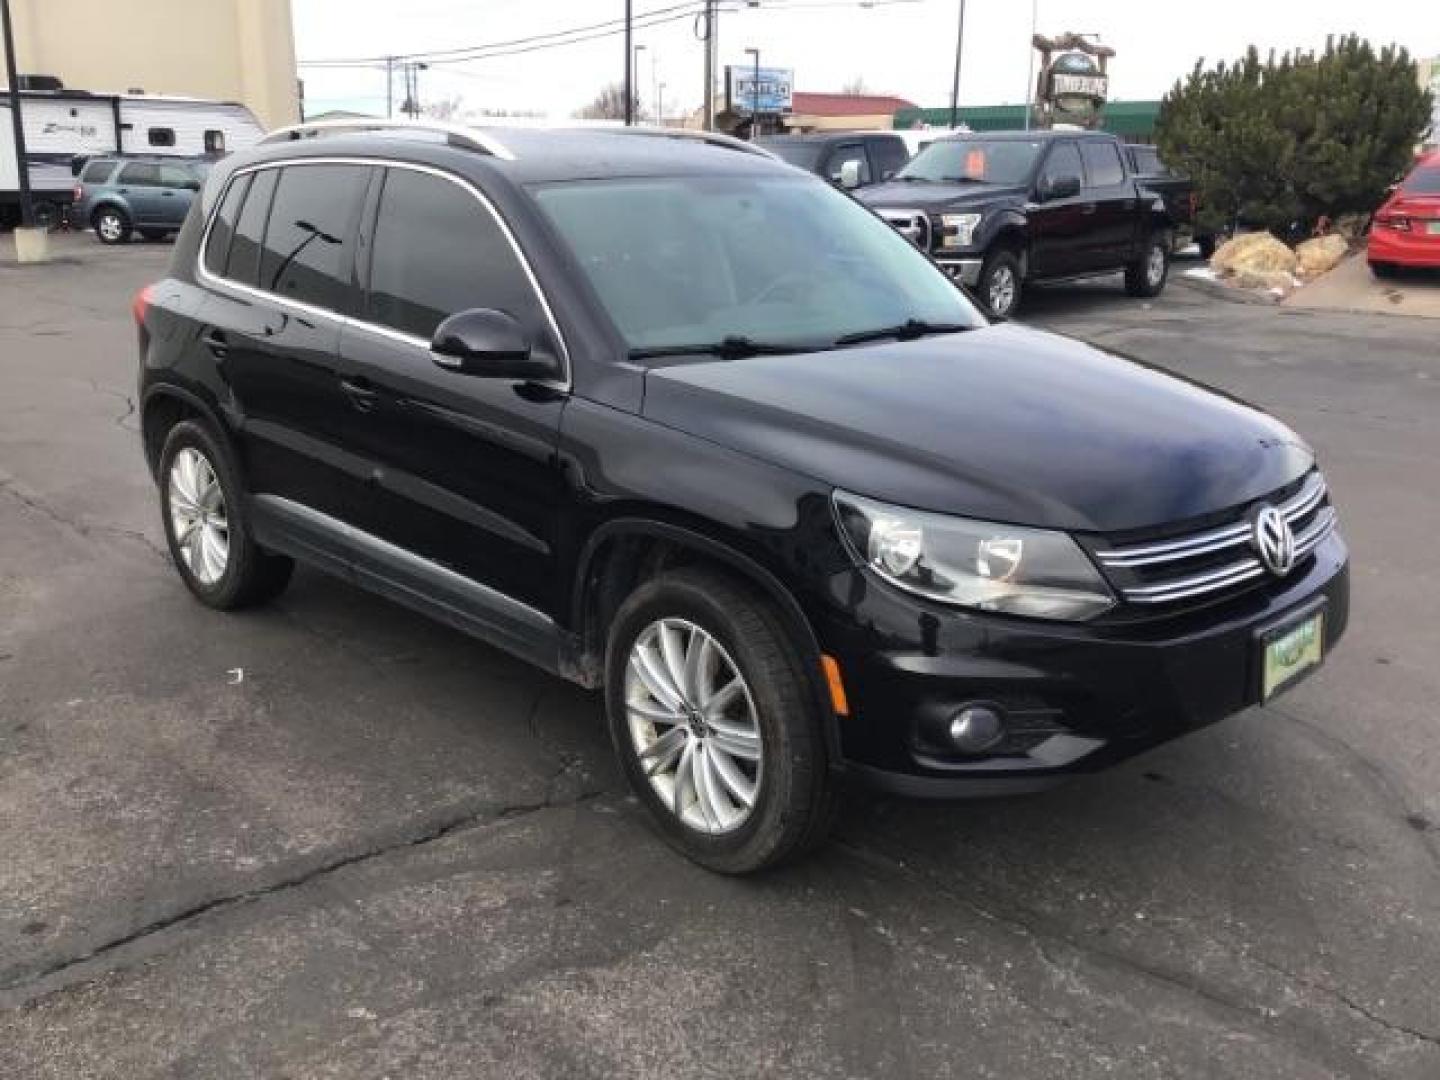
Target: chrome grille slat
{"points": [[1297, 506], [1305, 510]]}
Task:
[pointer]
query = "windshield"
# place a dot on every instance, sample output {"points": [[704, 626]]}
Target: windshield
{"points": [[1423, 181], [803, 155], [783, 260], [991, 161]]}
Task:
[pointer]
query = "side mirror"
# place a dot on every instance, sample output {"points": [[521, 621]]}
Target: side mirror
{"points": [[850, 174], [1060, 187], [487, 343]]}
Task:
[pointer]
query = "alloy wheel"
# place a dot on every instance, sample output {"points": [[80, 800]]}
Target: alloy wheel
{"points": [[1155, 265], [693, 726], [1002, 290], [110, 227], [198, 520]]}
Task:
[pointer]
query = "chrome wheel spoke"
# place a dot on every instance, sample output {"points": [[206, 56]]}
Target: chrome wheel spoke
{"points": [[706, 794], [655, 712], [719, 701], [650, 670], [698, 666], [672, 649], [663, 751], [736, 744], [684, 778], [197, 516], [740, 787]]}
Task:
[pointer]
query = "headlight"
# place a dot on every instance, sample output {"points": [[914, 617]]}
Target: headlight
{"points": [[958, 230], [975, 564]]}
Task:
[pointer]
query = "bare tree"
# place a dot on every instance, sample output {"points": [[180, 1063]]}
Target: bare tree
{"points": [[855, 86], [445, 109], [609, 104]]}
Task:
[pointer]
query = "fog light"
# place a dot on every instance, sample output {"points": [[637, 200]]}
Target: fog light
{"points": [[975, 728]]}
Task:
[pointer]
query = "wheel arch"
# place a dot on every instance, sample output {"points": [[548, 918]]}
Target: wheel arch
{"points": [[622, 551], [111, 203], [164, 405]]}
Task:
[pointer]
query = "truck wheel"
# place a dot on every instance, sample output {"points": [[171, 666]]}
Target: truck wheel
{"points": [[999, 285], [1146, 276], [715, 723], [111, 225]]}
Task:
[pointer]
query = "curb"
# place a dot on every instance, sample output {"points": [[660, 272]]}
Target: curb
{"points": [[1225, 292]]}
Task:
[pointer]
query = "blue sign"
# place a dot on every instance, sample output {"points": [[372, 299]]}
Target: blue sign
{"points": [[771, 92]]}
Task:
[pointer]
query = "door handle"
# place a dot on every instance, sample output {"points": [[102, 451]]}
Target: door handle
{"points": [[215, 341], [361, 392]]}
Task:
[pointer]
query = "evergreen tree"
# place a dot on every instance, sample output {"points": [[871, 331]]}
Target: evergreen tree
{"points": [[1281, 143]]}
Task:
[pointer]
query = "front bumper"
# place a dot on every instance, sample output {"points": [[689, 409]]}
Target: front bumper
{"points": [[967, 270], [1076, 697]]}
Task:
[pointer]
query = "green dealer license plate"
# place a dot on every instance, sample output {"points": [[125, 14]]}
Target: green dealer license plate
{"points": [[1289, 652]]}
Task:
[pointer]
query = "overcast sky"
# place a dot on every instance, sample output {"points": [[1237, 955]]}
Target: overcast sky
{"points": [[904, 48]]}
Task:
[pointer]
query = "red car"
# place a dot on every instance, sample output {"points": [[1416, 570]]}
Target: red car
{"points": [[1406, 231]]}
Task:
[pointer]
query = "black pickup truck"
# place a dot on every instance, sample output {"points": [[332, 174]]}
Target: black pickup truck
{"points": [[1004, 208]]}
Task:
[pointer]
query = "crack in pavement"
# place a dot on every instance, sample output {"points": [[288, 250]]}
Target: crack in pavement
{"points": [[53, 974], [8, 485], [1345, 1000], [1036, 930]]}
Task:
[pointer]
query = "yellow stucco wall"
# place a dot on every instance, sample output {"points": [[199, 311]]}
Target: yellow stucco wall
{"points": [[231, 50]]}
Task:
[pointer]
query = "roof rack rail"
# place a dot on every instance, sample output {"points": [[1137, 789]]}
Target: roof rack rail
{"points": [[455, 134], [714, 138]]}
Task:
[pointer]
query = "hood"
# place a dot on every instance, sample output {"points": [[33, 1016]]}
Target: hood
{"points": [[1002, 423], [921, 195]]}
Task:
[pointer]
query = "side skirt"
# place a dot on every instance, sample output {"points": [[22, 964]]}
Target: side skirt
{"points": [[418, 583]]}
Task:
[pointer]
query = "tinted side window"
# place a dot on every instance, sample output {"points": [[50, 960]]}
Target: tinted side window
{"points": [[161, 136], [1064, 160], [214, 141], [96, 172], [1102, 163], [243, 264], [437, 251], [140, 174], [889, 155], [307, 252], [1147, 161], [840, 155], [217, 247], [174, 176]]}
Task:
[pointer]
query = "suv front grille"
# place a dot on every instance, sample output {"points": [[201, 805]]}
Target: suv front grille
{"points": [[1216, 559], [914, 225]]}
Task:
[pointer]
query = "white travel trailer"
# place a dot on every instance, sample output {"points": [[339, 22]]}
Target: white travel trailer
{"points": [[62, 125]]}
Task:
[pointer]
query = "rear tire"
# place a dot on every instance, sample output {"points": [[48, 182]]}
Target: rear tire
{"points": [[1000, 283], [111, 225], [206, 523], [737, 786], [1147, 275]]}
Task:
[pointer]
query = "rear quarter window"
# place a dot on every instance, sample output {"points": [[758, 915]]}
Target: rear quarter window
{"points": [[222, 229], [97, 172]]}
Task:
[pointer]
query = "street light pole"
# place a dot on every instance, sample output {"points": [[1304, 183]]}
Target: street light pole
{"points": [[754, 94], [955, 86], [635, 78], [629, 73], [12, 81]]}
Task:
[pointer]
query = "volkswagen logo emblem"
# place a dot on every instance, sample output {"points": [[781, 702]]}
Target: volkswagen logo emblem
{"points": [[1273, 540]]}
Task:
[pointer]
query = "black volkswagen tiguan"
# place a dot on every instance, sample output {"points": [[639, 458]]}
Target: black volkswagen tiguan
{"points": [[679, 423]]}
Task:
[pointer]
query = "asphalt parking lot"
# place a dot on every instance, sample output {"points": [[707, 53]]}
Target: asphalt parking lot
{"points": [[330, 839]]}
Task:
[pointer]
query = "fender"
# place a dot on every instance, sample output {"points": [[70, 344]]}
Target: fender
{"points": [[193, 400], [794, 617]]}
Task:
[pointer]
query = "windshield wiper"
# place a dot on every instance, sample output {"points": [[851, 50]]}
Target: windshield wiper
{"points": [[730, 347], [909, 330]]}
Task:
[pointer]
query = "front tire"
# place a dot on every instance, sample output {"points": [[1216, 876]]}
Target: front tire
{"points": [[111, 225], [1148, 274], [715, 723], [203, 513], [1000, 283]]}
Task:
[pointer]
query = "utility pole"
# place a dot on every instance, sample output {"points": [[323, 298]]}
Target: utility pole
{"points": [[708, 107], [629, 69], [955, 86], [389, 88], [12, 81], [754, 95], [1030, 70]]}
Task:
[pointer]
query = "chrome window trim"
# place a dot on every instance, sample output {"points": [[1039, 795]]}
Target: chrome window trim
{"points": [[565, 383]]}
